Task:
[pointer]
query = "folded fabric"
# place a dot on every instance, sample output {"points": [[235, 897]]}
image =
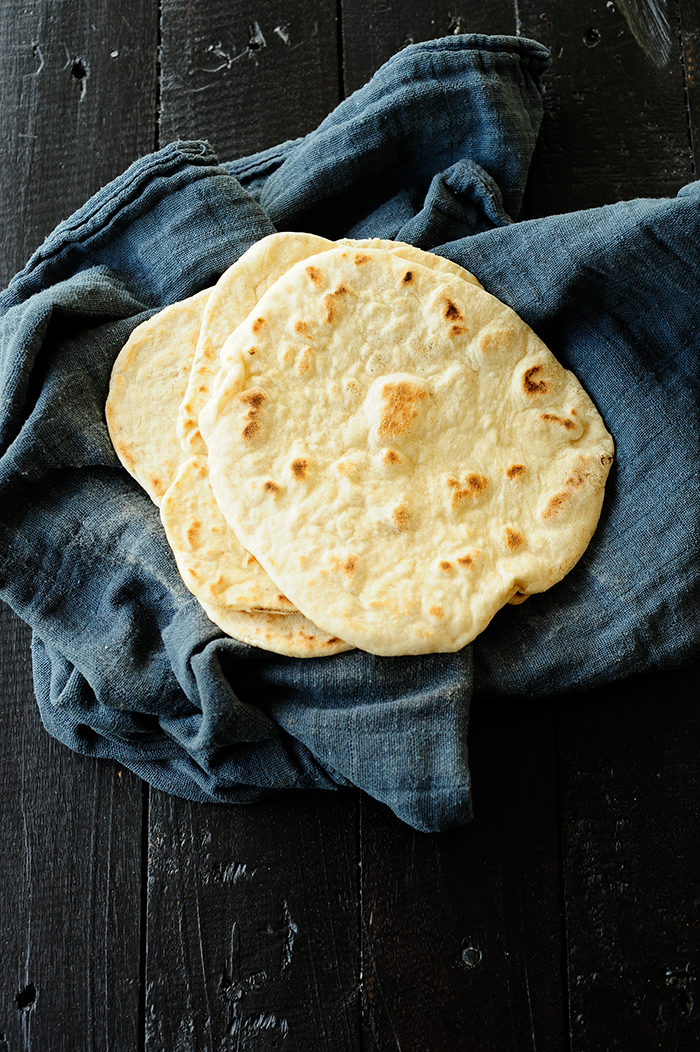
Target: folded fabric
{"points": [[434, 151]]}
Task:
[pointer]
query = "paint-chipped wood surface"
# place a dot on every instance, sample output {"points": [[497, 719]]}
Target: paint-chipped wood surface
{"points": [[566, 916]]}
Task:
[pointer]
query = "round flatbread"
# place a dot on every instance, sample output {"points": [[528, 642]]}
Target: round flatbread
{"points": [[400, 451], [148, 382]]}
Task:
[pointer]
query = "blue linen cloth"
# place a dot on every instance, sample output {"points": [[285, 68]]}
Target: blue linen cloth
{"points": [[435, 151]]}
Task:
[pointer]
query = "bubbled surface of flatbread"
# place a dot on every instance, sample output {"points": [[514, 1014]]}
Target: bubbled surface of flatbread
{"points": [[236, 294], [148, 382], [401, 452]]}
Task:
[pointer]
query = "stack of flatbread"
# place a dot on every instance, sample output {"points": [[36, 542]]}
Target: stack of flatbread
{"points": [[352, 444]]}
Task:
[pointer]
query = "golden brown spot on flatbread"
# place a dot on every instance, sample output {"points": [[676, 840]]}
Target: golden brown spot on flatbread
{"points": [[270, 487], [407, 278], [315, 275], [332, 641], [451, 311], [257, 325], [445, 565], [347, 467], [400, 515], [299, 467], [250, 559], [555, 504], [283, 599], [466, 560], [435, 611], [491, 340], [606, 459], [534, 386], [456, 330], [156, 485], [577, 478], [515, 471], [301, 327], [390, 456], [328, 308], [304, 363], [400, 407], [193, 531], [126, 458], [513, 539], [552, 418], [350, 565], [360, 258], [251, 351], [474, 486], [254, 400]]}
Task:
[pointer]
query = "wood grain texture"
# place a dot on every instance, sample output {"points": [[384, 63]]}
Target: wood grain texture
{"points": [[631, 849], [78, 106], [373, 32], [461, 930], [566, 915], [70, 842], [690, 41], [253, 937], [246, 76], [615, 123]]}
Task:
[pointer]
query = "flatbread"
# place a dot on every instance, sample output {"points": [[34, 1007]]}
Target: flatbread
{"points": [[400, 451], [148, 382]]}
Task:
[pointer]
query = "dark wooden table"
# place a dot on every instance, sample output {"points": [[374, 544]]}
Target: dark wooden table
{"points": [[567, 915]]}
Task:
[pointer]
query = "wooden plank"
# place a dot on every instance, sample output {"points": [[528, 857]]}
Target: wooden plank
{"points": [[462, 930], [70, 874], [373, 32], [615, 114], [690, 40], [246, 75], [631, 783], [253, 938], [78, 105]]}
